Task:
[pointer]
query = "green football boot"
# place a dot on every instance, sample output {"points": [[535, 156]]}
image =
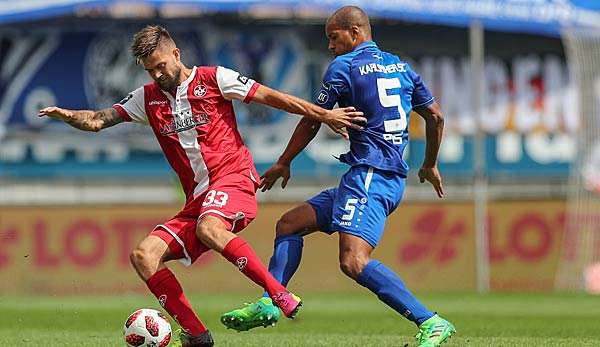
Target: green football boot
{"points": [[259, 314], [434, 331], [186, 340]]}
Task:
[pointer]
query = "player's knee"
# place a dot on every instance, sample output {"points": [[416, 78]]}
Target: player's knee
{"points": [[348, 267], [284, 226], [353, 264], [140, 257]]}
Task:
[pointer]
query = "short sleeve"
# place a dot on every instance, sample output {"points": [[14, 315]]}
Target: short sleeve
{"points": [[234, 85], [421, 94], [131, 108], [336, 82]]}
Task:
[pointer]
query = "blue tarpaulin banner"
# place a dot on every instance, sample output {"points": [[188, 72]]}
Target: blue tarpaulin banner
{"points": [[534, 16]]}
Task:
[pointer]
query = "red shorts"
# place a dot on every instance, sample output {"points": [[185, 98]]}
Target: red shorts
{"points": [[232, 199]]}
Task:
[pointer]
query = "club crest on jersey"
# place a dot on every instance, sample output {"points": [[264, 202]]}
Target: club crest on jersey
{"points": [[322, 97], [199, 90], [189, 121]]}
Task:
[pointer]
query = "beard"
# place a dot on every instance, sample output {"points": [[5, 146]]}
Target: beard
{"points": [[170, 83]]}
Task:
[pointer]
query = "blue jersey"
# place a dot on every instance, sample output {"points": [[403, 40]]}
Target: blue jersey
{"points": [[385, 89]]}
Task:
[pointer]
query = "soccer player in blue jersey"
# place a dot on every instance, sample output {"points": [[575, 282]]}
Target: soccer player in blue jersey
{"points": [[386, 89]]}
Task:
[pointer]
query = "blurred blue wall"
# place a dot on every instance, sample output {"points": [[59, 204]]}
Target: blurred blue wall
{"points": [[530, 104]]}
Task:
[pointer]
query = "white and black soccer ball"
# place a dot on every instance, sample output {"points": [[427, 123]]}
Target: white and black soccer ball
{"points": [[147, 328]]}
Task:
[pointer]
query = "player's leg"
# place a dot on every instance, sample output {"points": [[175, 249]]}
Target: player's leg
{"points": [[366, 196], [356, 263], [148, 259], [287, 252], [227, 208], [313, 215], [289, 241], [213, 232], [365, 199]]}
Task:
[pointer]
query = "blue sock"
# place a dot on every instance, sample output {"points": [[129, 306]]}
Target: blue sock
{"points": [[390, 289], [286, 258]]}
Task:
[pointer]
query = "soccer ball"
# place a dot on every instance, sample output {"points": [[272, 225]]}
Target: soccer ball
{"points": [[148, 328]]}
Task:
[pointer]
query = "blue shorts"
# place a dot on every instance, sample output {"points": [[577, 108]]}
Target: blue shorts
{"points": [[360, 204]]}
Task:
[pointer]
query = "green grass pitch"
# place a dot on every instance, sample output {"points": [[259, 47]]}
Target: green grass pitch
{"points": [[326, 320]]}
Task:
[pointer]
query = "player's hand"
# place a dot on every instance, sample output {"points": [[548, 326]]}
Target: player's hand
{"points": [[278, 170], [56, 113], [432, 175], [340, 119]]}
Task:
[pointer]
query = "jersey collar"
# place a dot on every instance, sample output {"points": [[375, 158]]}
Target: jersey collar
{"points": [[190, 78], [183, 86], [366, 44]]}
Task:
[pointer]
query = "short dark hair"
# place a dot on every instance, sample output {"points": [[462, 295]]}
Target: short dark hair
{"points": [[348, 16], [146, 40]]}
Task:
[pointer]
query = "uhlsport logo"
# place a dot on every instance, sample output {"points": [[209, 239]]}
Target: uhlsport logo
{"points": [[241, 263], [162, 300], [157, 102], [200, 90]]}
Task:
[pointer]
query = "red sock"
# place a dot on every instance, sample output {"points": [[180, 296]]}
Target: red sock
{"points": [[169, 293], [243, 256]]}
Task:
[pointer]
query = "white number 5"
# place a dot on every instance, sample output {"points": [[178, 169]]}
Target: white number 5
{"points": [[383, 84], [350, 208]]}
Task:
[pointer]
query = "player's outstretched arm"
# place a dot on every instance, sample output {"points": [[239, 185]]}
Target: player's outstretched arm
{"points": [[305, 131], [83, 119], [337, 119], [434, 128]]}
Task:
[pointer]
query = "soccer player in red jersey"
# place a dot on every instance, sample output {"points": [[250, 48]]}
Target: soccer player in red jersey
{"points": [[191, 113]]}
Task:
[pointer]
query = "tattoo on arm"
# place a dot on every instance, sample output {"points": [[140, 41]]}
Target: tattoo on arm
{"points": [[109, 117], [94, 120]]}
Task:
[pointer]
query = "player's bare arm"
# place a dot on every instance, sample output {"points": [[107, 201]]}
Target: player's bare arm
{"points": [[434, 128], [84, 119], [337, 119], [305, 131]]}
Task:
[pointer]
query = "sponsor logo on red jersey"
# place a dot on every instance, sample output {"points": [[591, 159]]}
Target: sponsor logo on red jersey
{"points": [[179, 124], [157, 102]]}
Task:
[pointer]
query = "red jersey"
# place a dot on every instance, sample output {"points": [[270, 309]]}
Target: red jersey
{"points": [[196, 128]]}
